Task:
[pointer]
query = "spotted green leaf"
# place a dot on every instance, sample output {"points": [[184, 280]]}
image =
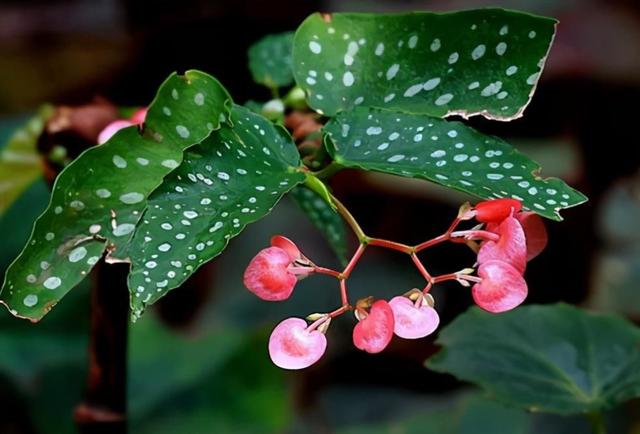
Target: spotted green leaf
{"points": [[447, 153], [554, 358], [270, 60], [230, 180], [478, 62], [98, 199], [20, 163], [324, 218]]}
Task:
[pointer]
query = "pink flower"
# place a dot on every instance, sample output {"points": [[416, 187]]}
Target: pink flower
{"points": [[511, 247], [496, 210], [413, 320], [502, 287], [139, 116], [273, 272], [534, 231], [293, 346], [374, 332], [111, 129]]}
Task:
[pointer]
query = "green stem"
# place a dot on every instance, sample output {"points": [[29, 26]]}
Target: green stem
{"points": [[597, 423], [351, 221], [329, 170]]}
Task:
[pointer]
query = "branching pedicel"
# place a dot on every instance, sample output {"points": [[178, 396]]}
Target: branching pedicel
{"points": [[504, 241]]}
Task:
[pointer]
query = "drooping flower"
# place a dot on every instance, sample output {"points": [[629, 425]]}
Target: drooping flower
{"points": [[273, 272], [413, 320], [502, 287], [293, 346], [374, 332]]}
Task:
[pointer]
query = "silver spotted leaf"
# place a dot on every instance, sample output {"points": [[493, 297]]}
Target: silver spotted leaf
{"points": [[478, 62], [323, 217], [98, 199], [270, 60], [447, 153], [552, 358], [230, 180]]}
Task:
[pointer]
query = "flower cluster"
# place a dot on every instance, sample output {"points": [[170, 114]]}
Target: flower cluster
{"points": [[505, 240]]}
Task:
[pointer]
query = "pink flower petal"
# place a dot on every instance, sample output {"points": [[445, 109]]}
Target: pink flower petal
{"points": [[139, 116], [535, 232], [502, 287], [267, 275], [373, 333], [110, 130], [511, 247], [496, 210], [292, 346], [287, 245], [411, 322]]}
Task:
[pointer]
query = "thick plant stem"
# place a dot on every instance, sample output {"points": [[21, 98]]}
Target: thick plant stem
{"points": [[597, 423], [104, 407]]}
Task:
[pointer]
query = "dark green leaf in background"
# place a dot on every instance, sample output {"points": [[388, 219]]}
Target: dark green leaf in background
{"points": [[20, 163], [270, 60], [98, 199], [553, 358], [230, 180], [480, 62], [448, 153], [325, 219]]}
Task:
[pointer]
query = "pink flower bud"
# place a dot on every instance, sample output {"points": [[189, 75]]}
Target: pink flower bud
{"points": [[535, 233], [268, 276], [292, 346], [110, 130], [496, 210], [511, 247], [373, 333], [502, 287], [411, 321]]}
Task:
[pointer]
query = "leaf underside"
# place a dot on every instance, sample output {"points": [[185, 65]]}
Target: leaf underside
{"points": [[270, 60], [447, 153], [233, 178], [98, 199], [554, 358], [479, 62]]}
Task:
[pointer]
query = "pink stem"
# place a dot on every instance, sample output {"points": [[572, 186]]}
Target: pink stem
{"points": [[476, 235], [354, 260], [327, 271], [390, 245], [420, 267]]}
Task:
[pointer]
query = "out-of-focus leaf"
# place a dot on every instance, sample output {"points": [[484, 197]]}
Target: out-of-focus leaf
{"points": [[98, 199], [477, 62], [20, 163], [325, 219], [214, 383], [233, 178], [472, 414], [447, 153], [270, 60], [555, 358]]}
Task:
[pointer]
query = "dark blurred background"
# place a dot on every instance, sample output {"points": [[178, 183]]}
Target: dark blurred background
{"points": [[198, 362]]}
